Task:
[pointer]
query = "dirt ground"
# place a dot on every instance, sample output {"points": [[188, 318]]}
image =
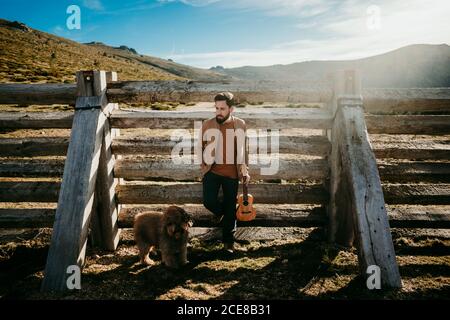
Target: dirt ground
{"points": [[300, 265]]}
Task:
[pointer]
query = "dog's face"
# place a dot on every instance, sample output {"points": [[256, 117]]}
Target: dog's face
{"points": [[176, 222]]}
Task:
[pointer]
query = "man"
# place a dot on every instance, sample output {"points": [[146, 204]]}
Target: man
{"points": [[224, 162]]}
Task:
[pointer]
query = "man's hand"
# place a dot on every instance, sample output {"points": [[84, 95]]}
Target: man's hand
{"points": [[246, 179]]}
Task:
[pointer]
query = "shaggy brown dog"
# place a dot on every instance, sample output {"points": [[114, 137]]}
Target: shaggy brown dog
{"points": [[167, 232]]}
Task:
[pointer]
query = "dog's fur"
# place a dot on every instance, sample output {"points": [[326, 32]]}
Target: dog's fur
{"points": [[167, 232]]}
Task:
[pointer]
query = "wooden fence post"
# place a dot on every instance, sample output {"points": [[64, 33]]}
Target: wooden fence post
{"points": [[357, 207], [340, 225], [76, 197], [104, 230]]}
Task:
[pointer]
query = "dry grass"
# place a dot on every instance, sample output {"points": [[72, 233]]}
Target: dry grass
{"points": [[302, 266], [34, 57]]}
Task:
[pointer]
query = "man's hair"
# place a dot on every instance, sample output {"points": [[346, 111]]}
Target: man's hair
{"points": [[225, 96]]}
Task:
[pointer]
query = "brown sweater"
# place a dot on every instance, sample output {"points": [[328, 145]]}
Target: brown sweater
{"points": [[241, 168], [224, 168]]}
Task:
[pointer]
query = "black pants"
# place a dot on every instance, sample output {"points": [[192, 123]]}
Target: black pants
{"points": [[211, 185]]}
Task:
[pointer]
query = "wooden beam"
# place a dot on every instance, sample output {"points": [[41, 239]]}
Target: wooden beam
{"points": [[419, 216], [375, 100], [417, 171], [268, 215], [36, 120], [370, 218], [288, 168], [401, 100], [408, 124], [425, 194], [106, 231], [27, 218], [39, 93], [32, 168], [433, 217], [32, 147], [303, 216], [36, 191], [347, 89], [68, 244], [301, 118], [147, 193], [412, 150], [192, 91], [163, 145]]}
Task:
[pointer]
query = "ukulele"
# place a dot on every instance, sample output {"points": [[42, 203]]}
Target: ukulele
{"points": [[245, 210]]}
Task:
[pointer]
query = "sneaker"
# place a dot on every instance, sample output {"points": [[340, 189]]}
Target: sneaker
{"points": [[229, 247]]}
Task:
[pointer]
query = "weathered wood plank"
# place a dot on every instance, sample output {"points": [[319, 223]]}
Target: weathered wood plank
{"points": [[106, 232], [303, 216], [301, 118], [31, 147], [39, 93], [163, 145], [412, 150], [436, 217], [408, 124], [425, 194], [69, 237], [27, 218], [304, 118], [370, 218], [32, 168], [36, 191], [251, 233], [341, 228], [193, 91], [287, 168], [433, 217], [417, 171], [375, 100], [401, 100], [192, 193], [267, 216], [34, 120]]}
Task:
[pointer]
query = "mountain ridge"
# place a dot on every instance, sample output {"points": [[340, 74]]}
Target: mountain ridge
{"points": [[32, 56]]}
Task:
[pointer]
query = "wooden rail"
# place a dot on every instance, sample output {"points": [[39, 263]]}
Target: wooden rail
{"points": [[269, 215], [381, 100], [288, 168], [306, 118], [163, 145], [45, 93], [145, 193], [303, 118]]}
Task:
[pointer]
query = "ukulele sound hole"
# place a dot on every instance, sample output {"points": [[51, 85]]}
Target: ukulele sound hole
{"points": [[245, 203]]}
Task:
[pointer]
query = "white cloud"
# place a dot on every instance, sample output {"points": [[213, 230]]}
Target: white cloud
{"points": [[336, 30], [93, 4], [194, 3]]}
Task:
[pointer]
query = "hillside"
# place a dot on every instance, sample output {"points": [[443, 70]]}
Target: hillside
{"points": [[28, 55], [411, 66], [32, 56]]}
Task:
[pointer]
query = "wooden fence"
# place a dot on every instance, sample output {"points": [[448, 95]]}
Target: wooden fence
{"points": [[348, 191]]}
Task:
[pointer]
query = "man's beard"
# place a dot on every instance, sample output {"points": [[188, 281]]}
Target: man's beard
{"points": [[222, 120]]}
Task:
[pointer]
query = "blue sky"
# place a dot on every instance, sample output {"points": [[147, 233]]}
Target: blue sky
{"points": [[233, 33]]}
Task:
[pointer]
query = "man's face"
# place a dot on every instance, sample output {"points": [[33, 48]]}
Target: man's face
{"points": [[223, 111]]}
